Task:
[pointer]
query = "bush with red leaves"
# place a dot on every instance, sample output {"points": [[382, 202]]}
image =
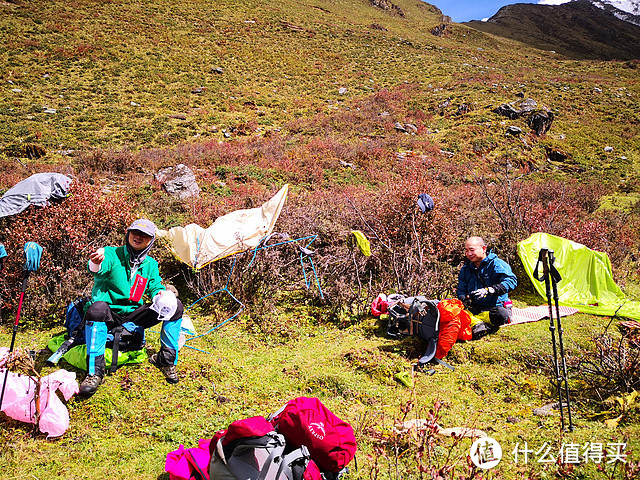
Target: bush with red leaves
{"points": [[68, 231]]}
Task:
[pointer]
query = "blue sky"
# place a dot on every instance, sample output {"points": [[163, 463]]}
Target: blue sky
{"points": [[465, 10]]}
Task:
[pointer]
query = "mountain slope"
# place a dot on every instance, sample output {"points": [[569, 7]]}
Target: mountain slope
{"points": [[578, 30]]}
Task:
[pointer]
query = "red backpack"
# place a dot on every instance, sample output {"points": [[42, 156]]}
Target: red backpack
{"points": [[306, 421]]}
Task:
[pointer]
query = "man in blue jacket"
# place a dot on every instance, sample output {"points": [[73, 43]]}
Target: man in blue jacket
{"points": [[483, 285]]}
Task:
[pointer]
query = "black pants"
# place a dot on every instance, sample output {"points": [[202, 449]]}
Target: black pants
{"points": [[100, 319]]}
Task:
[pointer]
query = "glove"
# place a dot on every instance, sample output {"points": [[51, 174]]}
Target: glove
{"points": [[32, 253], [481, 293]]}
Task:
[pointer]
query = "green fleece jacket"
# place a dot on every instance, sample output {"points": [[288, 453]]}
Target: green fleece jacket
{"points": [[113, 283]]}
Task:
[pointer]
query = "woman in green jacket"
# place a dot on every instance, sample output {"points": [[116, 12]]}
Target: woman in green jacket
{"points": [[122, 276]]}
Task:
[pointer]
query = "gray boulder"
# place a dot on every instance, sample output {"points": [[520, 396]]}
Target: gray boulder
{"points": [[540, 122], [178, 181]]}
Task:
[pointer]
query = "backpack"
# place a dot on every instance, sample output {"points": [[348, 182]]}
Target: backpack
{"points": [[307, 422], [250, 449], [425, 323], [73, 319], [189, 463], [399, 320]]}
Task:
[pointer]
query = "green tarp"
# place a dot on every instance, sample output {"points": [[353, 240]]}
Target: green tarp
{"points": [[587, 283]]}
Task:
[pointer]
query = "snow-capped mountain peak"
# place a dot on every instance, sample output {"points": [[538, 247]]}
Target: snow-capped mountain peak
{"points": [[627, 10]]}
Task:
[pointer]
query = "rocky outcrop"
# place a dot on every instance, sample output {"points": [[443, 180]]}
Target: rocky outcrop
{"points": [[178, 181]]}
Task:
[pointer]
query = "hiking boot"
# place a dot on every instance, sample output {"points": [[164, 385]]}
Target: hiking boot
{"points": [[169, 371], [89, 385]]}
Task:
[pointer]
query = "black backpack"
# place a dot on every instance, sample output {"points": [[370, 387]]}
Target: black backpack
{"points": [[417, 316]]}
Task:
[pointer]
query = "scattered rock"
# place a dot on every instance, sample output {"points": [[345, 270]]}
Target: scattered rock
{"points": [[198, 90], [462, 109], [528, 105], [512, 419], [51, 111], [342, 91], [540, 121], [178, 116], [31, 151], [217, 70], [399, 127], [446, 153], [597, 90], [439, 30], [134, 104], [347, 164], [377, 26], [520, 94], [387, 6], [513, 111], [178, 181], [67, 153], [16, 90], [513, 130], [408, 128], [555, 155], [608, 149], [507, 110]]}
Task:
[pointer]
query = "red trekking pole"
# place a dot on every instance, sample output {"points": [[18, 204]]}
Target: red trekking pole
{"points": [[32, 253]]}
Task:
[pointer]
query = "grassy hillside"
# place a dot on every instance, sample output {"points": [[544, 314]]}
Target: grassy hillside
{"points": [[119, 73], [359, 109]]}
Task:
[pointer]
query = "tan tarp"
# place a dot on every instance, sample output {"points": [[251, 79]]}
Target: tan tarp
{"points": [[232, 233]]}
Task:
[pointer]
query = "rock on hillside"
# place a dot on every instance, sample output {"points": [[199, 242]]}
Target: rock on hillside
{"points": [[578, 29]]}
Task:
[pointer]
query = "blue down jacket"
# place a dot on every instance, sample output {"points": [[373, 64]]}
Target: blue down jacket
{"points": [[492, 272]]}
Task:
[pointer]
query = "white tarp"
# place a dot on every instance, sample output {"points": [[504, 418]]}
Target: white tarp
{"points": [[38, 189], [232, 233]]}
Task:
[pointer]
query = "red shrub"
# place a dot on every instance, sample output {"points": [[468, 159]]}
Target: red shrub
{"points": [[68, 231]]}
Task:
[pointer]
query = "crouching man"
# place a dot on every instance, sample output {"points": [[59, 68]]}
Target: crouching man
{"points": [[483, 285], [122, 275]]}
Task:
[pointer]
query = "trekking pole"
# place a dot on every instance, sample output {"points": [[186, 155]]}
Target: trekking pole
{"points": [[32, 252], [3, 254], [544, 258], [555, 278]]}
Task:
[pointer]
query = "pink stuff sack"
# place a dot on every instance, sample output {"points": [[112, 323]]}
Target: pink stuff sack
{"points": [[19, 399], [306, 421], [189, 463]]}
